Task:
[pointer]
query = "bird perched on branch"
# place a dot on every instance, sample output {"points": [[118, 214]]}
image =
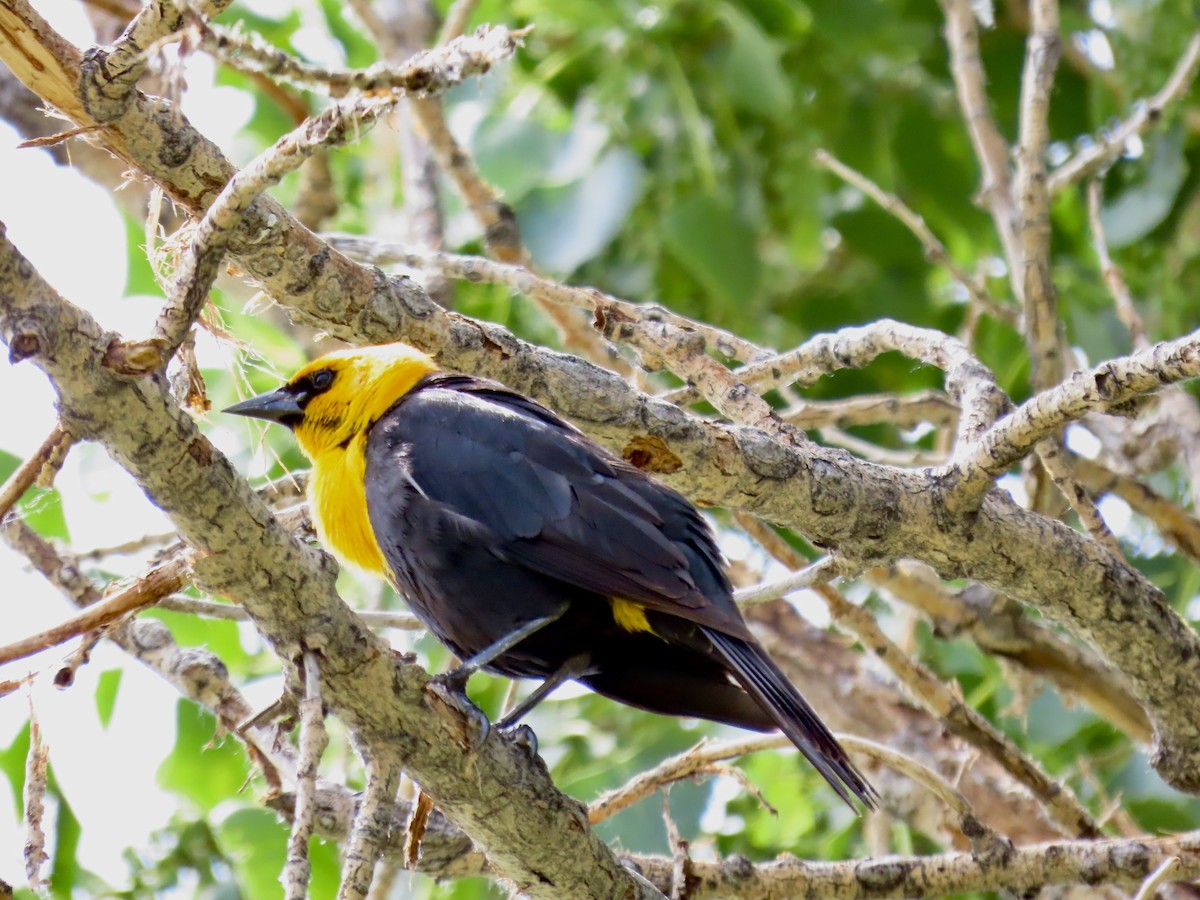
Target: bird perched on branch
{"points": [[529, 550]]}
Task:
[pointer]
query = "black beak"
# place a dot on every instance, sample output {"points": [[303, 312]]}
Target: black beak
{"points": [[277, 406]]}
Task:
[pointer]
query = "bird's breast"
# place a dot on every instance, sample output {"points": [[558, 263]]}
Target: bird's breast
{"points": [[338, 499]]}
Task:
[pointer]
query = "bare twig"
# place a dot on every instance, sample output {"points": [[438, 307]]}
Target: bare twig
{"points": [[1178, 527], [64, 677], [525, 281], [911, 458], [821, 570], [934, 695], [680, 860], [935, 250], [211, 609], [1155, 879], [1001, 629], [27, 473], [1050, 453], [427, 73], [968, 381], [1126, 311], [199, 267], [312, 742], [967, 723], [970, 80], [1036, 288], [932, 407], [1145, 114], [34, 796], [456, 19], [372, 826], [160, 581]]}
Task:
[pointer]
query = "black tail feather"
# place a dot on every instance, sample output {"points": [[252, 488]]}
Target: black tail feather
{"points": [[762, 679]]}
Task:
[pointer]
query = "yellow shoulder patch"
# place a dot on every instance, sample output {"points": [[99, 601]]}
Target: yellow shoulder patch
{"points": [[630, 616]]}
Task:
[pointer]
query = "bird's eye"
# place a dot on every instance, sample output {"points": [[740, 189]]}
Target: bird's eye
{"points": [[322, 380]]}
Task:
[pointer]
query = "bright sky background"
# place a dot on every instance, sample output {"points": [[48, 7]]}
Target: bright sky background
{"points": [[68, 227]]}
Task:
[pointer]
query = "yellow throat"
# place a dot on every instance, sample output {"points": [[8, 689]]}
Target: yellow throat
{"points": [[333, 435]]}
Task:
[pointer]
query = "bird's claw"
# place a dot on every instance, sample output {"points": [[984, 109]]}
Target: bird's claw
{"points": [[474, 723], [521, 735]]}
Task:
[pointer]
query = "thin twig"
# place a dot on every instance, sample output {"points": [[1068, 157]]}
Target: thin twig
{"points": [[907, 459], [313, 739], [680, 860], [427, 73], [1050, 453], [1105, 386], [968, 381], [1145, 114], [371, 828], [1001, 629], [1126, 311], [1155, 879], [200, 263], [211, 609], [932, 407], [815, 573], [928, 690], [525, 281], [34, 797], [1178, 527], [456, 19], [26, 474], [1036, 283], [163, 579], [991, 149], [935, 250], [64, 677]]}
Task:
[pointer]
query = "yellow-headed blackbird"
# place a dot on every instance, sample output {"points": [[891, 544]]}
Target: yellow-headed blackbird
{"points": [[528, 549]]}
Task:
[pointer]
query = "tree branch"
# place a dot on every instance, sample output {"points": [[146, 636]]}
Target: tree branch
{"points": [[1145, 113], [871, 514], [287, 588]]}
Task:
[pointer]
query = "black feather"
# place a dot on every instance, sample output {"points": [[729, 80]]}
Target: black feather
{"points": [[492, 512]]}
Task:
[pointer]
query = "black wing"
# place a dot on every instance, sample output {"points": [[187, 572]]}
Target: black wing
{"points": [[552, 500]]}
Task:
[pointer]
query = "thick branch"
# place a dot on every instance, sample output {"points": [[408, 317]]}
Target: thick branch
{"points": [[1104, 387], [535, 835], [869, 512]]}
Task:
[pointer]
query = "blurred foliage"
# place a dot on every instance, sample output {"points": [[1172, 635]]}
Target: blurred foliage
{"points": [[662, 151]]}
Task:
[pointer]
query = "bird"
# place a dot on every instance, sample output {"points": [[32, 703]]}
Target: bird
{"points": [[530, 550]]}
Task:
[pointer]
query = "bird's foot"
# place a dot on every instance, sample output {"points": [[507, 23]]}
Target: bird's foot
{"points": [[471, 723]]}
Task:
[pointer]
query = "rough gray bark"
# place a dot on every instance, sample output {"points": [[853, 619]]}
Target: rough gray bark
{"points": [[533, 834], [870, 514]]}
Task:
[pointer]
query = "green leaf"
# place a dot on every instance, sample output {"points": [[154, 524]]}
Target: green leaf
{"points": [[753, 72], [12, 763], [201, 769], [716, 246], [65, 871], [255, 842], [1138, 210], [565, 227], [106, 694], [41, 509], [513, 154]]}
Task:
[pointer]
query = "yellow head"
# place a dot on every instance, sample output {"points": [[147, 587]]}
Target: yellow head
{"points": [[340, 395], [331, 405]]}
